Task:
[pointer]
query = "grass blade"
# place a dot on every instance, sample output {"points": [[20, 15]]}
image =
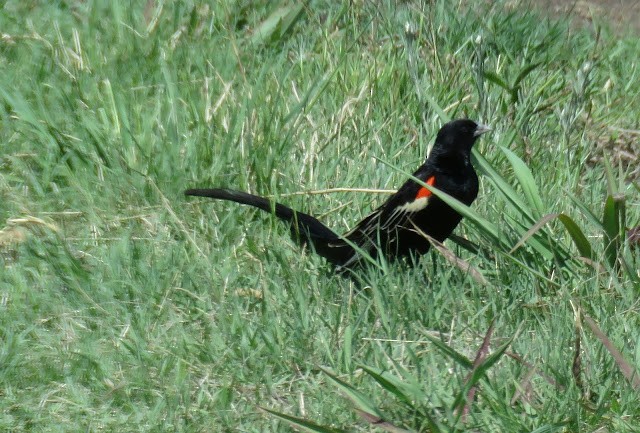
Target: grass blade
{"points": [[533, 230]]}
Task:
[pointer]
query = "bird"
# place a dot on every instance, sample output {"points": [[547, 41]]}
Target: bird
{"points": [[397, 228]]}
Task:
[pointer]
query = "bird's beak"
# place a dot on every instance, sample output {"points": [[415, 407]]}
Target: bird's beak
{"points": [[481, 129]]}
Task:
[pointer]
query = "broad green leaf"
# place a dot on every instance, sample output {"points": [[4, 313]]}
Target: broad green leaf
{"points": [[527, 182], [301, 423], [579, 239], [277, 24], [496, 79], [526, 71], [611, 225], [551, 428], [405, 392], [291, 18], [458, 358], [503, 186], [437, 108], [593, 219], [361, 401]]}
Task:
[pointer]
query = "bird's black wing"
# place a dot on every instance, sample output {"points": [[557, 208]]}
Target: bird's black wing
{"points": [[376, 231]]}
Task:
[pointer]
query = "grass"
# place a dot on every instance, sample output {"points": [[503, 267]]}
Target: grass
{"points": [[126, 307]]}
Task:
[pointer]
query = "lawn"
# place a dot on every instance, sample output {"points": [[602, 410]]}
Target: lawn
{"points": [[125, 306]]}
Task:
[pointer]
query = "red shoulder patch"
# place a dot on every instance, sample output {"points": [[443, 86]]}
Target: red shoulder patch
{"points": [[424, 192]]}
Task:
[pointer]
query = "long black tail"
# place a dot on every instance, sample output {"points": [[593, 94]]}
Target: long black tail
{"points": [[305, 228]]}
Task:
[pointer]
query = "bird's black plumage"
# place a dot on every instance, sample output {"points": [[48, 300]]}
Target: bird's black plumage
{"points": [[397, 228]]}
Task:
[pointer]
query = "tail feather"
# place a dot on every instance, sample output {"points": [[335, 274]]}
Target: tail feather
{"points": [[307, 229]]}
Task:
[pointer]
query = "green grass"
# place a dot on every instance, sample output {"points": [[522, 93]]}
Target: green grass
{"points": [[125, 306]]}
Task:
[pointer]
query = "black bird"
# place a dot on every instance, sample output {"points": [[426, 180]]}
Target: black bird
{"points": [[396, 229]]}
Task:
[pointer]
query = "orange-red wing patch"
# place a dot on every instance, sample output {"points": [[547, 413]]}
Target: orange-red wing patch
{"points": [[424, 192]]}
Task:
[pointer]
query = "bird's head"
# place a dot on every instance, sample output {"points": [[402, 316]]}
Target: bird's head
{"points": [[460, 134]]}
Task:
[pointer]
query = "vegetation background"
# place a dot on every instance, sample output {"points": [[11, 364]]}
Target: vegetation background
{"points": [[126, 307]]}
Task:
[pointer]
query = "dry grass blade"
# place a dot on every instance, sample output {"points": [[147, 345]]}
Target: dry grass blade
{"points": [[530, 366], [378, 422], [12, 235], [14, 231], [455, 260], [481, 356], [633, 237], [598, 267], [525, 391], [167, 205], [625, 367], [335, 190], [576, 367]]}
